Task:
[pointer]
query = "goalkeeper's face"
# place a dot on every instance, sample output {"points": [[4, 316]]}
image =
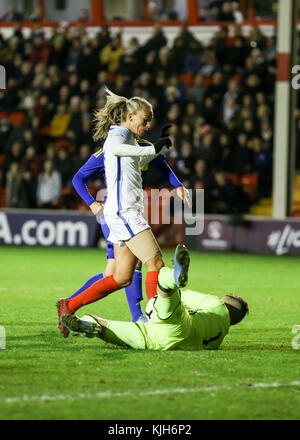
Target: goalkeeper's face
{"points": [[139, 122]]}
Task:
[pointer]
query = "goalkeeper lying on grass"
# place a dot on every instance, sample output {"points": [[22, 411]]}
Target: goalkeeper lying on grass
{"points": [[181, 319]]}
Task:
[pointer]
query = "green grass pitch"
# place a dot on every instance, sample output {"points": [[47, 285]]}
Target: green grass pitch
{"points": [[254, 375]]}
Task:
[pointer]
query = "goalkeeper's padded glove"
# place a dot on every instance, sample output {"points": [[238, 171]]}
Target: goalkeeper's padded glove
{"points": [[161, 143], [165, 130]]}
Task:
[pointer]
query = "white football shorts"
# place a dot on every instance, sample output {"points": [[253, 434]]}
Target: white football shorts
{"points": [[123, 226]]}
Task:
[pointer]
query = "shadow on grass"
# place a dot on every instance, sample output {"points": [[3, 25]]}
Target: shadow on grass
{"points": [[55, 342]]}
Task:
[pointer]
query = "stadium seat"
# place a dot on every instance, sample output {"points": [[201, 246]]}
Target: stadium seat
{"points": [[16, 118], [66, 190], [187, 79], [64, 143], [234, 178], [82, 207], [249, 179], [3, 203], [249, 183]]}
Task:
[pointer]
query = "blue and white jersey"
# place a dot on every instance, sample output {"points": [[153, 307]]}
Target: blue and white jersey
{"points": [[123, 159]]}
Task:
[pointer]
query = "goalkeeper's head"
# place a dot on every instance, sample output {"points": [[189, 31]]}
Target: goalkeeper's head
{"points": [[237, 307]]}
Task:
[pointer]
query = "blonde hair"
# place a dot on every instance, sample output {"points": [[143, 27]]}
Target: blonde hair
{"points": [[115, 111]]}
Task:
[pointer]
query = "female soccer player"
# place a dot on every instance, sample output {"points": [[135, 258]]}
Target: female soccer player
{"points": [[95, 166], [121, 121]]}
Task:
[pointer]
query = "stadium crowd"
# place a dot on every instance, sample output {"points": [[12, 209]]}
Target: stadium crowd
{"points": [[218, 98], [158, 10]]}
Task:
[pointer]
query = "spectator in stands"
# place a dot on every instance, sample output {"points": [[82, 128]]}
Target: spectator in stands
{"points": [[222, 194], [111, 54], [250, 129], [50, 153], [11, 100], [190, 115], [211, 111], [217, 88], [36, 14], [13, 183], [88, 64], [256, 38], [169, 12], [73, 55], [49, 186], [12, 15], [156, 42], [197, 91], [243, 155], [58, 51], [220, 45], [40, 52], [226, 12], [30, 162], [84, 154], [5, 131], [230, 108], [208, 150], [201, 177], [42, 112], [103, 37], [237, 54], [83, 16], [152, 11], [14, 153], [262, 166], [225, 154], [64, 166], [236, 12], [185, 160], [85, 135], [266, 132], [60, 122], [177, 57]]}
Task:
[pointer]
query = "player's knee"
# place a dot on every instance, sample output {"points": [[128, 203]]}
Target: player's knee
{"points": [[123, 280], [155, 263]]}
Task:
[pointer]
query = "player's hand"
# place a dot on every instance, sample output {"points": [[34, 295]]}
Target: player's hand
{"points": [[165, 130], [161, 143], [97, 208], [184, 195]]}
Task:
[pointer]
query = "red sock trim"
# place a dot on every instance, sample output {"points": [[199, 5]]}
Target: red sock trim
{"points": [[93, 293], [151, 283]]}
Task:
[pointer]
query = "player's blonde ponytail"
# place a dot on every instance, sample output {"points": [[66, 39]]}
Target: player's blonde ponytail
{"points": [[115, 111]]}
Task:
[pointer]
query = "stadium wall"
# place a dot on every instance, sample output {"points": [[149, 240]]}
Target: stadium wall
{"points": [[48, 228], [220, 233], [250, 234]]}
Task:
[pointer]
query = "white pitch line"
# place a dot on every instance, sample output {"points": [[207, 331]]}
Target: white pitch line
{"points": [[109, 395]]}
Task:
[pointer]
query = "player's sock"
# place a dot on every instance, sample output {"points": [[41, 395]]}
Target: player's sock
{"points": [[93, 293], [134, 294], [88, 284], [166, 279], [151, 283]]}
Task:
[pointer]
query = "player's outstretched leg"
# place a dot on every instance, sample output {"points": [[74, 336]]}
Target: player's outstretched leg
{"points": [[181, 265], [169, 280], [62, 309], [87, 324]]}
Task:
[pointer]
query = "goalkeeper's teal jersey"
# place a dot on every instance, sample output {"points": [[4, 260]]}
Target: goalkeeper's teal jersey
{"points": [[197, 322]]}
